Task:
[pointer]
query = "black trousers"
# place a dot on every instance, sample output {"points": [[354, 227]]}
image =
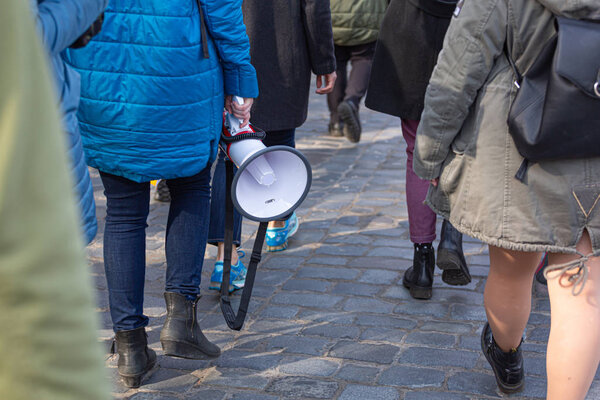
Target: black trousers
{"points": [[353, 87]]}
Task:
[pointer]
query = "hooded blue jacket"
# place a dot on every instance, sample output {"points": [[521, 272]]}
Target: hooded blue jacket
{"points": [[60, 23], [152, 103]]}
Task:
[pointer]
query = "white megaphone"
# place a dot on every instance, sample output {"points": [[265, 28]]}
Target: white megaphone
{"points": [[271, 182]]}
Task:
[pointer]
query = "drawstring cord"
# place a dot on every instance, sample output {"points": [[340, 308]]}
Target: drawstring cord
{"points": [[578, 279]]}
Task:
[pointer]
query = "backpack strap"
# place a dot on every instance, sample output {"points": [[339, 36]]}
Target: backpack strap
{"points": [[513, 66], [203, 34]]}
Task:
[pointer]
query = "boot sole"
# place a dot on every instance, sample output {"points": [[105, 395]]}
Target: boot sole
{"points": [[454, 273], [504, 388], [352, 126], [135, 381], [418, 292], [184, 350]]}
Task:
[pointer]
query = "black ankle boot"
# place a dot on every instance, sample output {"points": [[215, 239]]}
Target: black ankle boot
{"points": [[450, 257], [136, 360], [418, 279], [508, 367], [181, 335]]}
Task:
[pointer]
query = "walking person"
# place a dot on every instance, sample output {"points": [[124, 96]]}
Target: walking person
{"points": [[355, 27], [152, 107], [410, 39], [48, 337], [288, 41], [465, 148]]}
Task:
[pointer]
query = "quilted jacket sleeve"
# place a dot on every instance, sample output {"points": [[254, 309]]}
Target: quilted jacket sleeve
{"points": [[317, 25], [474, 40], [61, 22], [225, 24]]}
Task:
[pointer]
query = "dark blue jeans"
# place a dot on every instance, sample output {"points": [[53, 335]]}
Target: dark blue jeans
{"points": [[127, 208], [216, 230]]}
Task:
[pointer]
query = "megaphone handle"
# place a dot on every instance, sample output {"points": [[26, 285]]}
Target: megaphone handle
{"points": [[237, 321]]}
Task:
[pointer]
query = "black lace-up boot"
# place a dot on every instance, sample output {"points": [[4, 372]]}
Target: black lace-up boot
{"points": [[450, 257], [136, 360], [508, 367], [418, 279], [181, 335]]}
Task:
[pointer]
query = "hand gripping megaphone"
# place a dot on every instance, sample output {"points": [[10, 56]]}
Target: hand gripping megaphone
{"points": [[270, 184]]}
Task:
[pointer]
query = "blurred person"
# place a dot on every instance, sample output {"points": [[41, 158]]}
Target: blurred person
{"points": [[288, 41], [60, 24], [464, 147], [410, 39], [355, 28], [48, 336], [152, 108]]}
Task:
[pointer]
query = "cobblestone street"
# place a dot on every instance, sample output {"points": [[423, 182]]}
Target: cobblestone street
{"points": [[329, 317]]}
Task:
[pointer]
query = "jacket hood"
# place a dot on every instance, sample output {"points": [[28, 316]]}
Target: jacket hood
{"points": [[577, 9]]}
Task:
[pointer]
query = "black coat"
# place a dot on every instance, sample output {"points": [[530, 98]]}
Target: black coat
{"points": [[288, 40], [410, 38]]}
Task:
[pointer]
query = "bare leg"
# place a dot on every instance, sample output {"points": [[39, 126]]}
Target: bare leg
{"points": [[221, 253], [276, 224], [574, 343], [507, 295]]}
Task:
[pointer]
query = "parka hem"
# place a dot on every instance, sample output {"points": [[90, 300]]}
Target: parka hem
{"points": [[502, 243]]}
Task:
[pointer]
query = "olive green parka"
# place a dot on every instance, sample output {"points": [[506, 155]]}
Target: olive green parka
{"points": [[463, 136], [356, 22]]}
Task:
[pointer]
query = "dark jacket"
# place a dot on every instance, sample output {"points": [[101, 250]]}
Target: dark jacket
{"points": [[288, 40], [410, 38]]}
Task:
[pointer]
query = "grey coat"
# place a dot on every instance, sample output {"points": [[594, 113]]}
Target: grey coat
{"points": [[288, 40], [463, 137]]}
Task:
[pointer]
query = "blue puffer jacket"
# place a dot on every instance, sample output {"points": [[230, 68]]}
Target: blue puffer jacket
{"points": [[60, 23], [151, 103]]}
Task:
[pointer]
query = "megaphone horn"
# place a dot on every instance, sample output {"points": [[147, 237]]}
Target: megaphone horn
{"points": [[271, 182]]}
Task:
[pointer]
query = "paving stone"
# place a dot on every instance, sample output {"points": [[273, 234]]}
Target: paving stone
{"points": [[379, 276], [470, 313], [368, 305], [422, 308], [235, 378], [448, 327], [296, 387], [327, 273], [311, 285], [473, 382], [325, 260], [353, 392], [307, 300], [333, 317], [170, 380], [412, 377], [205, 394], [357, 373], [342, 250], [285, 312], [299, 345], [153, 396], [308, 366], [427, 395], [247, 359], [275, 326], [384, 335], [249, 396], [431, 339], [538, 334], [282, 262], [385, 321], [427, 356], [333, 331], [382, 354], [355, 289]]}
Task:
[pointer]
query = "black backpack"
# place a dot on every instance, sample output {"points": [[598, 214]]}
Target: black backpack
{"points": [[556, 112]]}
